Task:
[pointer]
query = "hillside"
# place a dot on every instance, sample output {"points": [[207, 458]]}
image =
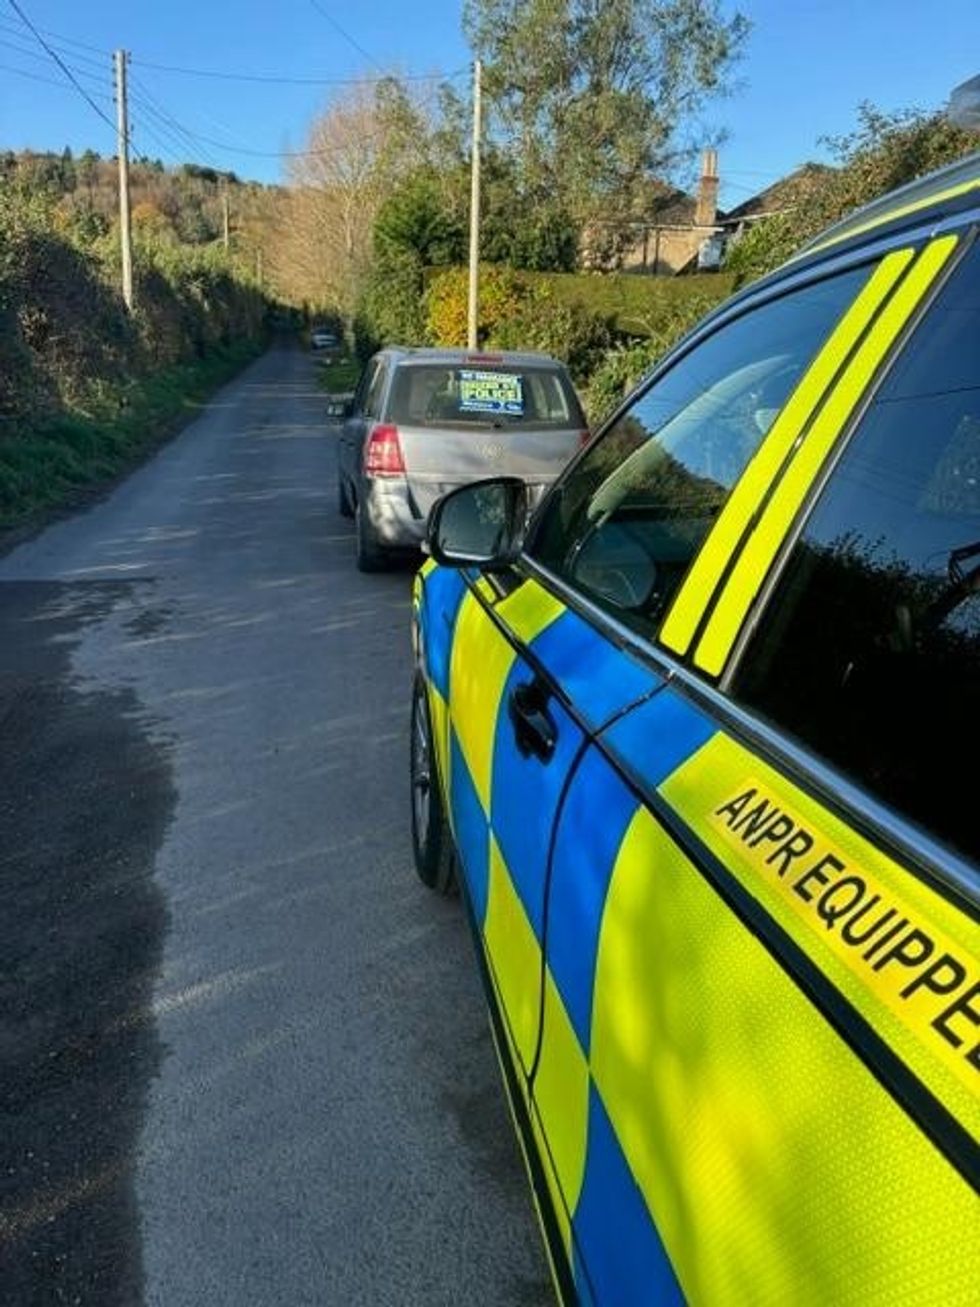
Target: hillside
{"points": [[183, 204]]}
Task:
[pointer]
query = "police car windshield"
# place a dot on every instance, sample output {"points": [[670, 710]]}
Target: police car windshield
{"points": [[481, 395]]}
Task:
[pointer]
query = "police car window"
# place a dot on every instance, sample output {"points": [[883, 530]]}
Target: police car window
{"points": [[869, 650], [625, 524]]}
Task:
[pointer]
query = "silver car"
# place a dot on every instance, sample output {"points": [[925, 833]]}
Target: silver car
{"points": [[424, 421]]}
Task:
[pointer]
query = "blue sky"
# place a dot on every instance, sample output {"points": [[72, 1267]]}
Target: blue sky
{"points": [[808, 64]]}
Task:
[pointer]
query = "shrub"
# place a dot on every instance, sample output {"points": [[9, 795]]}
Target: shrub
{"points": [[516, 313], [503, 295], [65, 336], [565, 331], [391, 309], [624, 364], [886, 150]]}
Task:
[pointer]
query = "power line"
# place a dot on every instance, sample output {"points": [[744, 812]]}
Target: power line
{"points": [[36, 54], [161, 143], [232, 148], [170, 143], [66, 40], [746, 172], [196, 139], [11, 29], [168, 123], [282, 79], [36, 77], [346, 35], [176, 131], [61, 64], [255, 154]]}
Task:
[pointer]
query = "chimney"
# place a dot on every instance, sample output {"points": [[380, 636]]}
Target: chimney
{"points": [[706, 210]]}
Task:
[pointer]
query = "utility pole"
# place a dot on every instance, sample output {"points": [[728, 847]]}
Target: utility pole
{"points": [[122, 131], [225, 222], [474, 302], [258, 267]]}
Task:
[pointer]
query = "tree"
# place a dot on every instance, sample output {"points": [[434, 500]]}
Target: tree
{"points": [[418, 217], [357, 152], [150, 224], [589, 95], [885, 151]]}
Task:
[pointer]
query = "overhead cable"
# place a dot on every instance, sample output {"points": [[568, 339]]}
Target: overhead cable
{"points": [[60, 37], [346, 35], [14, 4], [283, 79], [39, 55]]}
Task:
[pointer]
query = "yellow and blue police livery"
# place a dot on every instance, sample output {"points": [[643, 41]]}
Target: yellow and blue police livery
{"points": [[697, 745]]}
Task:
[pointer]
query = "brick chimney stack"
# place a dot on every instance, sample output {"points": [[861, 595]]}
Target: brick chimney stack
{"points": [[706, 211]]}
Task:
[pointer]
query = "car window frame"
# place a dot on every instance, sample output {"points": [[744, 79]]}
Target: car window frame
{"points": [[914, 837], [753, 299], [924, 854], [756, 613]]}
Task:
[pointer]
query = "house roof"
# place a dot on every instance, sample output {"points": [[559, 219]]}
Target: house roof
{"points": [[669, 206], [780, 195]]}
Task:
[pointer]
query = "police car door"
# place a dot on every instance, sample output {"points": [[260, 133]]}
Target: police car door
{"points": [[758, 1067], [521, 704]]}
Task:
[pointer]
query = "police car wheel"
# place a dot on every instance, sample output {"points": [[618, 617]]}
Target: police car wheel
{"points": [[431, 840], [371, 557]]}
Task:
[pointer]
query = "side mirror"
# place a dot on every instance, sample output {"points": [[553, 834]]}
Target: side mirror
{"points": [[479, 525]]}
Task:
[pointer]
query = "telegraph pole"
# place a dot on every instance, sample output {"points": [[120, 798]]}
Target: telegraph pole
{"points": [[122, 131], [474, 301], [226, 223]]}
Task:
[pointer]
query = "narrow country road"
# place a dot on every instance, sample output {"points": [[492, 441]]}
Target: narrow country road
{"points": [[243, 1054]]}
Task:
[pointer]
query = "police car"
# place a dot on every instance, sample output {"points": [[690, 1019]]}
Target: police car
{"points": [[698, 744]]}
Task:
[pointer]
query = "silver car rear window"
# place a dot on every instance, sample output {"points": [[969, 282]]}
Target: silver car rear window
{"points": [[480, 395]]}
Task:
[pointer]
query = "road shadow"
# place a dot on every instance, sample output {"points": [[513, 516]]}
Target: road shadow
{"points": [[85, 798]]}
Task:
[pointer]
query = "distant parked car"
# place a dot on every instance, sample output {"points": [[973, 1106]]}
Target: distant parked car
{"points": [[424, 421], [324, 338]]}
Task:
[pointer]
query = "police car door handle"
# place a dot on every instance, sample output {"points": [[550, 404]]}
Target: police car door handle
{"points": [[534, 730]]}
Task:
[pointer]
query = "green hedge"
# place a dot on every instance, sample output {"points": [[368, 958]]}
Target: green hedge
{"points": [[85, 385], [634, 304], [65, 333], [47, 465], [637, 304]]}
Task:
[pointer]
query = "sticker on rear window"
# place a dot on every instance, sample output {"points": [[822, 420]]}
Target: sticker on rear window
{"points": [[491, 392]]}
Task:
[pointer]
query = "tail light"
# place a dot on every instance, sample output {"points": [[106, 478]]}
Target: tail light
{"points": [[383, 453], [583, 438]]}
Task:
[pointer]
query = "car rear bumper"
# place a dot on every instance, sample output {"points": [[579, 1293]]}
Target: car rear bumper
{"points": [[390, 509], [398, 518]]}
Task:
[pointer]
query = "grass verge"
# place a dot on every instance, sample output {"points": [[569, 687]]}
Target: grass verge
{"points": [[46, 467]]}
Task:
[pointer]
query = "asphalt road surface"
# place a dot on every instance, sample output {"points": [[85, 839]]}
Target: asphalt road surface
{"points": [[244, 1057]]}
